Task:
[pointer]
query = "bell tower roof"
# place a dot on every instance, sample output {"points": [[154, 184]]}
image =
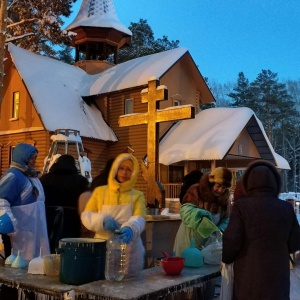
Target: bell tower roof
{"points": [[98, 31], [98, 13]]}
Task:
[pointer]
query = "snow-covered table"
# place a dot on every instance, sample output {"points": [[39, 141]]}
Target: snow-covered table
{"points": [[152, 283]]}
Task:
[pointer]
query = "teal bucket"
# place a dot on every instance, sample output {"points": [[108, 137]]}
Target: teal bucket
{"points": [[82, 260]]}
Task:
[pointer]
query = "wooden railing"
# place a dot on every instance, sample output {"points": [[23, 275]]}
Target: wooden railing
{"points": [[172, 190]]}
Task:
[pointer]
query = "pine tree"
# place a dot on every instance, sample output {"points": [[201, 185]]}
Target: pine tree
{"points": [[143, 42], [65, 55], [36, 25], [241, 94], [271, 101]]}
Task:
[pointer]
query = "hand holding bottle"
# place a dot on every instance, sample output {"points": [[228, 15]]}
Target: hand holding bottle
{"points": [[110, 224], [126, 234]]}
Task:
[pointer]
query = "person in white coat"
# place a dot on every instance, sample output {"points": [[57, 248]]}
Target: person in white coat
{"points": [[118, 206], [22, 200]]}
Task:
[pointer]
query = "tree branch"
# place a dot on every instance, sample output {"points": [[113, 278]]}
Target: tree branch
{"points": [[21, 22]]}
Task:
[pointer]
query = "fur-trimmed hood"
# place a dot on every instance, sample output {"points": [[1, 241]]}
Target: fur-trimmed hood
{"points": [[205, 188], [201, 195]]}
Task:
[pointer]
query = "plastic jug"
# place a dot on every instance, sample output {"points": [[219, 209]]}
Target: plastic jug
{"points": [[206, 228], [193, 256], [115, 258]]}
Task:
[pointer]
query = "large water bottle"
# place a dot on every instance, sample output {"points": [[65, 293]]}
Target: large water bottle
{"points": [[115, 258]]}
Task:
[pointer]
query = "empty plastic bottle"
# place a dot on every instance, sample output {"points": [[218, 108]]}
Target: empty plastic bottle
{"points": [[115, 258]]}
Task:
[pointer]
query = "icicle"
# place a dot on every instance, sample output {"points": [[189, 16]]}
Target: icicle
{"points": [[70, 295]]}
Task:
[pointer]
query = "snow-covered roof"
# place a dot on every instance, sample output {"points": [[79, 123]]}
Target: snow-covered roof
{"points": [[98, 13], [209, 136], [56, 87], [135, 72], [55, 90]]}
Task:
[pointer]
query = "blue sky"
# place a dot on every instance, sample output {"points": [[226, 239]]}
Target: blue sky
{"points": [[225, 37]]}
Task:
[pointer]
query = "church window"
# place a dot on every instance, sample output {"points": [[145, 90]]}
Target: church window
{"points": [[177, 103], [128, 106], [15, 105]]}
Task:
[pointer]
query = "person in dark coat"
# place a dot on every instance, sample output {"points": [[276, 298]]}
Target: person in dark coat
{"points": [[63, 186], [101, 179], [261, 234]]}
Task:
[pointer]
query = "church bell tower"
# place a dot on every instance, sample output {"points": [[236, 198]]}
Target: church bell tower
{"points": [[98, 33]]}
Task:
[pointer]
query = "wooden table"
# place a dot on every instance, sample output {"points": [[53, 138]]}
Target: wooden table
{"points": [[152, 283]]}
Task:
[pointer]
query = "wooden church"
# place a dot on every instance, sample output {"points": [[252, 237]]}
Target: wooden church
{"points": [[42, 94]]}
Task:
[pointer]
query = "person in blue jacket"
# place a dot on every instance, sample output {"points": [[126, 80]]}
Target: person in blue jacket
{"points": [[205, 209], [22, 205]]}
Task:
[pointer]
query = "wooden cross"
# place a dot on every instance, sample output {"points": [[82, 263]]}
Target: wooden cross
{"points": [[152, 95]]}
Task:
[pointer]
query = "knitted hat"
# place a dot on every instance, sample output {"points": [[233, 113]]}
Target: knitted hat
{"points": [[222, 176]]}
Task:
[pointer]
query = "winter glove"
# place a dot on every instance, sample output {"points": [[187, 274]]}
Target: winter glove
{"points": [[191, 215], [6, 225], [126, 234], [110, 224]]}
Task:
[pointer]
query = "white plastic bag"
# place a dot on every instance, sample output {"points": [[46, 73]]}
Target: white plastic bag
{"points": [[227, 282], [212, 254], [212, 251]]}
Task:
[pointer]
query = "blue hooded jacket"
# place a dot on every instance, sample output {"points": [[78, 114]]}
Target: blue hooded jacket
{"points": [[15, 186], [22, 153]]}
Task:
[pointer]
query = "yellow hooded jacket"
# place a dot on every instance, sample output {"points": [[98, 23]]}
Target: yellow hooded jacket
{"points": [[115, 194]]}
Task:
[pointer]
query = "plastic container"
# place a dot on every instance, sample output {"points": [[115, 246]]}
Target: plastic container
{"points": [[115, 258], [172, 265], [193, 256], [36, 265], [82, 260], [10, 259], [19, 262], [51, 264]]}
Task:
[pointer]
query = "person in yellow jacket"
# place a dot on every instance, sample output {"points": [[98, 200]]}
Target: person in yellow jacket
{"points": [[118, 206]]}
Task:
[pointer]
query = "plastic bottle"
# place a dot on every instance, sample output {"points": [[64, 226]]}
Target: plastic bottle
{"points": [[115, 258]]}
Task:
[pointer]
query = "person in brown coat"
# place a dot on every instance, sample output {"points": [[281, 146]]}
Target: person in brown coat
{"points": [[206, 200], [261, 234]]}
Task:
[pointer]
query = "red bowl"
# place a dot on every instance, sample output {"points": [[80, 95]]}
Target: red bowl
{"points": [[172, 265]]}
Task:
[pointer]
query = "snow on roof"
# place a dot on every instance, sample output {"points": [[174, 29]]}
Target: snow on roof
{"points": [[55, 90], [96, 13], [209, 136], [56, 87], [135, 72]]}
